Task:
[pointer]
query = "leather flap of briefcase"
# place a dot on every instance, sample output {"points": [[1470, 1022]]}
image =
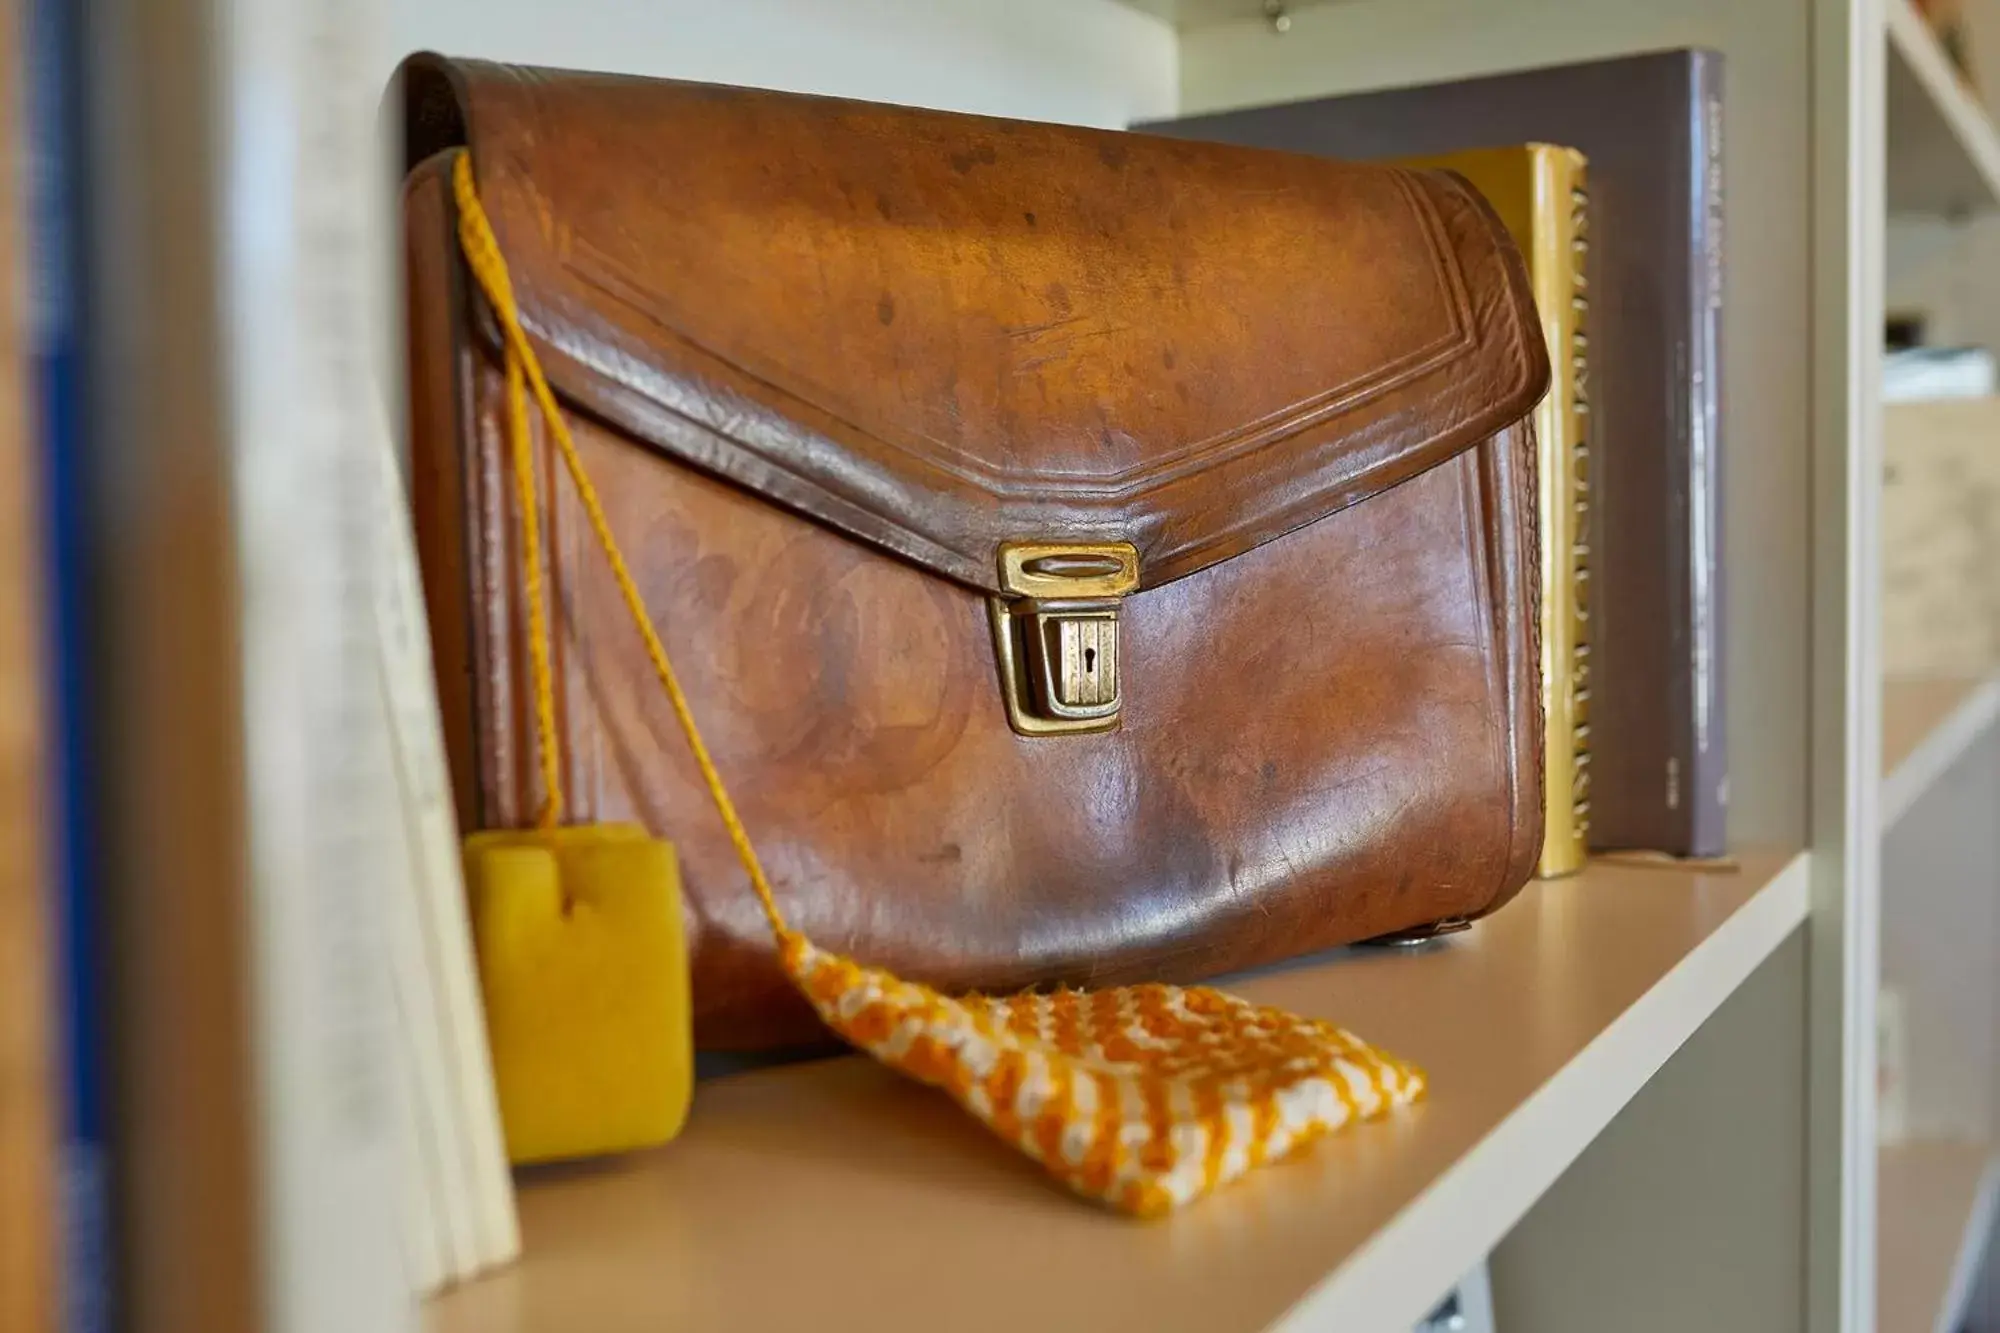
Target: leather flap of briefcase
{"points": [[1051, 368], [942, 333]]}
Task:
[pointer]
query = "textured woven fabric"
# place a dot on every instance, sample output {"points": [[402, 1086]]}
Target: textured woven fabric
{"points": [[1144, 1097]]}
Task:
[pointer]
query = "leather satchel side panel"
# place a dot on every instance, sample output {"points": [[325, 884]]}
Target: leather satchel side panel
{"points": [[438, 351], [1508, 465], [1325, 739]]}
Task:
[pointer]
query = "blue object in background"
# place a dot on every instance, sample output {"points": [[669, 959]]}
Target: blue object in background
{"points": [[56, 324]]}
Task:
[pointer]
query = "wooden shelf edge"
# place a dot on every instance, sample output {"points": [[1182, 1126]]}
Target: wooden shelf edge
{"points": [[1916, 763], [1455, 1223], [1957, 109], [1367, 1231], [1935, 1205]]}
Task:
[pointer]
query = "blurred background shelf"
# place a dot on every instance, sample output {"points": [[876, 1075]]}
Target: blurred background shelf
{"points": [[1944, 153], [1536, 1028], [1939, 999], [1192, 13], [1926, 726], [1934, 1216], [29, 1099]]}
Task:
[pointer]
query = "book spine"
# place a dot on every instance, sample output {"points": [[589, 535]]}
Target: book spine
{"points": [[1562, 207], [56, 315], [299, 334], [1706, 783]]}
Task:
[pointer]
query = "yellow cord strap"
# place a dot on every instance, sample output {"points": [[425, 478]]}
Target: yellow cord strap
{"points": [[524, 371]]}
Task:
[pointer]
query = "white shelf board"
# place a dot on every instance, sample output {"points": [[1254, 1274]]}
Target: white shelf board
{"points": [[1926, 726], [1193, 13], [1943, 152], [835, 1195], [1934, 1215]]}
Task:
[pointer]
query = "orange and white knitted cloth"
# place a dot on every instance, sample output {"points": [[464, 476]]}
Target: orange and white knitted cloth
{"points": [[1144, 1097]]}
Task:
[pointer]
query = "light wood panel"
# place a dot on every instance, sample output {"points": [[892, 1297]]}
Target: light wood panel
{"points": [[875, 1204]]}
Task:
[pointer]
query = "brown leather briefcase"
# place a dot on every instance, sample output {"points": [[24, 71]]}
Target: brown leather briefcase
{"points": [[1091, 557]]}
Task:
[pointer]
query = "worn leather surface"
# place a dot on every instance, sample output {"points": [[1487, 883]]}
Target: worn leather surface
{"points": [[823, 357]]}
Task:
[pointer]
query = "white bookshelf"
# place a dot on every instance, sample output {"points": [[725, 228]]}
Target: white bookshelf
{"points": [[1937, 1193], [1940, 868], [1653, 1087]]}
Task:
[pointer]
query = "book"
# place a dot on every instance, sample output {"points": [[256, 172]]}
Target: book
{"points": [[246, 812], [1542, 196], [1651, 127], [57, 247], [458, 1197], [36, 1099]]}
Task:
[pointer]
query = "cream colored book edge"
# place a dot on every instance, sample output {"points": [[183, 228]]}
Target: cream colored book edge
{"points": [[459, 1167]]}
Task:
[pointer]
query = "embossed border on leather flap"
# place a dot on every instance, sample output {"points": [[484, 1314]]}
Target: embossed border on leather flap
{"points": [[939, 333]]}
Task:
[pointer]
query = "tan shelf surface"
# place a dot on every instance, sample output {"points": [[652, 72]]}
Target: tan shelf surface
{"points": [[834, 1195], [1926, 725], [1933, 1208], [1943, 152]]}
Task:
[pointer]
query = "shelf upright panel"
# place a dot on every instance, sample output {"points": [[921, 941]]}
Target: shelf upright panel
{"points": [[1849, 226]]}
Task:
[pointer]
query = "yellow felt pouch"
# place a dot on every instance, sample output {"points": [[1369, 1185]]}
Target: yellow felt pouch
{"points": [[1144, 1097], [583, 968]]}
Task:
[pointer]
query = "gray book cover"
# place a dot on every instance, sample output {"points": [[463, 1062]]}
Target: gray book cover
{"points": [[1651, 126]]}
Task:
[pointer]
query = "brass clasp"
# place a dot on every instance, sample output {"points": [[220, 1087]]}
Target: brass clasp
{"points": [[1055, 633]]}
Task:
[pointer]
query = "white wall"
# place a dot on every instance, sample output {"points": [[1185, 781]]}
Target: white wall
{"points": [[1089, 62]]}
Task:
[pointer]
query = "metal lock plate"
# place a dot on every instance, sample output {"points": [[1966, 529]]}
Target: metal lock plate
{"points": [[1055, 633]]}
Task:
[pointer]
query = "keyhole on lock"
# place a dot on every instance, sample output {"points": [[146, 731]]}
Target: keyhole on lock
{"points": [[1090, 661]]}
